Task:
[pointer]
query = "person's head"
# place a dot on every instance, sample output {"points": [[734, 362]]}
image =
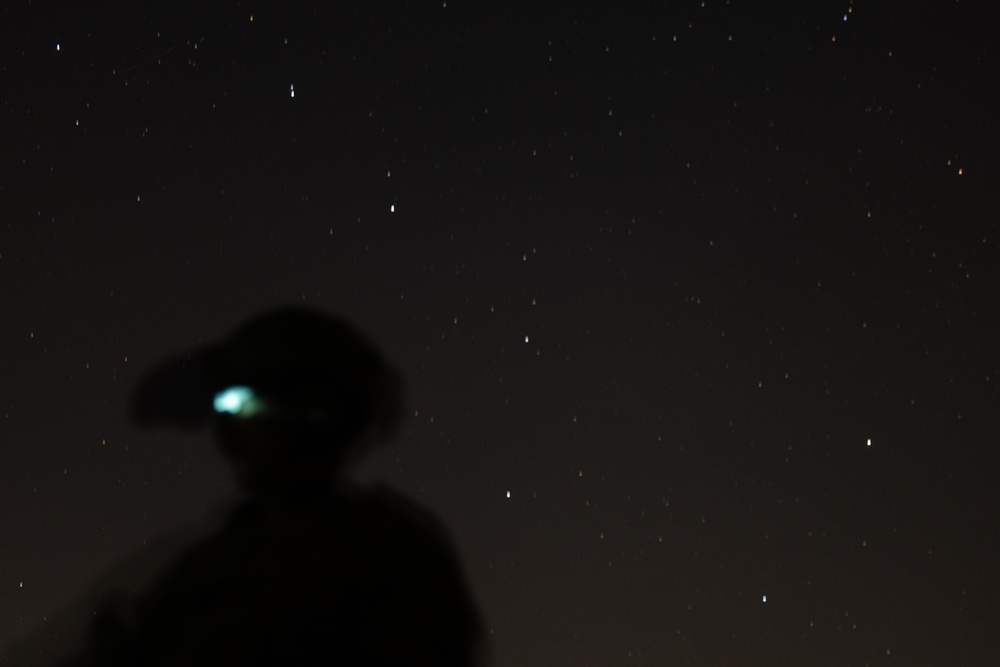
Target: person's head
{"points": [[293, 392]]}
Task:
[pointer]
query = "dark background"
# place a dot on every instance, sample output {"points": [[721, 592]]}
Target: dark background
{"points": [[659, 271]]}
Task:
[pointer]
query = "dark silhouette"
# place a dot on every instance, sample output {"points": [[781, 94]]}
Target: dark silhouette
{"points": [[309, 569]]}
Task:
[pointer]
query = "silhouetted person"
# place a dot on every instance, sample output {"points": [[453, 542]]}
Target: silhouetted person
{"points": [[309, 569]]}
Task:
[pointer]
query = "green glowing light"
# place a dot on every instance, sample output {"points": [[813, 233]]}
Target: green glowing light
{"points": [[233, 399]]}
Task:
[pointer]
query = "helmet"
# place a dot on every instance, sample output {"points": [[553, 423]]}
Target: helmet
{"points": [[294, 364]]}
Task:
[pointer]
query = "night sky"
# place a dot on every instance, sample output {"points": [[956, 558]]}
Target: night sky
{"points": [[697, 302]]}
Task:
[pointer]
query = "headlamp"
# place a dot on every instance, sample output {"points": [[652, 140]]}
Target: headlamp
{"points": [[238, 400]]}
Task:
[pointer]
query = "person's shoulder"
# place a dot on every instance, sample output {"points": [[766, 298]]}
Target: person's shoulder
{"points": [[378, 495], [413, 560], [379, 506]]}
